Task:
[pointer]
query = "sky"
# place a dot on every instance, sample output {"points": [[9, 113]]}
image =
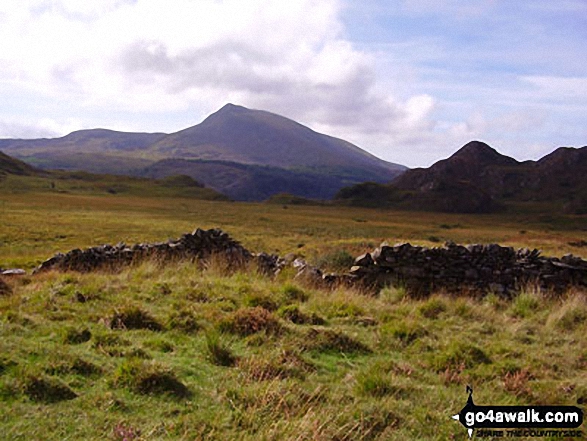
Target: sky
{"points": [[410, 81]]}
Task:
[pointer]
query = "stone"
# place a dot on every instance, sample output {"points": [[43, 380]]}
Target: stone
{"points": [[364, 260], [13, 272]]}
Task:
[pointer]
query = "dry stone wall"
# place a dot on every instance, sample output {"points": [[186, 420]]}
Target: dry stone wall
{"points": [[479, 268], [200, 244], [455, 268]]}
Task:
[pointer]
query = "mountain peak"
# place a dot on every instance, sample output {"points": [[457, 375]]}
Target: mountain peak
{"points": [[229, 107], [479, 152]]}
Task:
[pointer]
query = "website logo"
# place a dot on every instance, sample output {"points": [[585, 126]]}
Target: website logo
{"points": [[526, 419]]}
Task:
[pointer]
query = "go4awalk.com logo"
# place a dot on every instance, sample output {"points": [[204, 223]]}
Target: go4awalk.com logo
{"points": [[520, 421]]}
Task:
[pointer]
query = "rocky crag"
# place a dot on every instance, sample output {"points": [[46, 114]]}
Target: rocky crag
{"points": [[452, 268]]}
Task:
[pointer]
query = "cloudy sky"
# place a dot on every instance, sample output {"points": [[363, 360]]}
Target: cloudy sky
{"points": [[408, 80]]}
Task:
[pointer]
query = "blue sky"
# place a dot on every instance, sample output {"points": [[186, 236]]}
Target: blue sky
{"points": [[408, 80]]}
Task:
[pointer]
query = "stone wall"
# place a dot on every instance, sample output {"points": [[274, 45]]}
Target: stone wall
{"points": [[200, 244], [478, 268], [454, 268]]}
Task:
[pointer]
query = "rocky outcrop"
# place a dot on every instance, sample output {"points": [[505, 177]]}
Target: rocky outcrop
{"points": [[475, 268]]}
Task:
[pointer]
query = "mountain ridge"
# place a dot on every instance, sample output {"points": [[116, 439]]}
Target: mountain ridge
{"points": [[233, 134]]}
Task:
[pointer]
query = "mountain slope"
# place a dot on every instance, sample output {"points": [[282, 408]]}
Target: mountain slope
{"points": [[250, 182], [9, 165]]}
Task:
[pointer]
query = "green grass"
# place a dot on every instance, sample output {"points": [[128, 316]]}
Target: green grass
{"points": [[185, 351], [37, 224], [218, 368]]}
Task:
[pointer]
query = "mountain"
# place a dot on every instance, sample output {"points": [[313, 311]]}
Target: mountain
{"points": [[265, 153], [246, 136], [478, 179]]}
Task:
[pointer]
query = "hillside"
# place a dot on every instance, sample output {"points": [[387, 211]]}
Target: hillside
{"points": [[9, 165], [478, 179], [266, 154], [16, 177], [249, 182]]}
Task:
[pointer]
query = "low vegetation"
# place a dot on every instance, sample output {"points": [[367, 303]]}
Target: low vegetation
{"points": [[188, 351], [198, 361]]}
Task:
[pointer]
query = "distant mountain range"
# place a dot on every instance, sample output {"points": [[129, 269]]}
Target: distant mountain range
{"points": [[478, 179], [245, 154]]}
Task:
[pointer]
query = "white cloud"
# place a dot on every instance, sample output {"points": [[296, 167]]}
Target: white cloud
{"points": [[450, 72], [149, 56]]}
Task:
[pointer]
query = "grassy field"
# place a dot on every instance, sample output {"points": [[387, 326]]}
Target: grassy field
{"points": [[185, 352]]}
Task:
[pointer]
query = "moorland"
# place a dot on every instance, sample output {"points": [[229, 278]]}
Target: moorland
{"points": [[190, 350]]}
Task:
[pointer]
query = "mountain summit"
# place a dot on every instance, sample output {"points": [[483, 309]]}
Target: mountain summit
{"points": [[237, 134]]}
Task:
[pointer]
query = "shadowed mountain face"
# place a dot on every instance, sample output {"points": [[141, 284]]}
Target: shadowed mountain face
{"points": [[266, 154], [13, 166], [479, 179]]}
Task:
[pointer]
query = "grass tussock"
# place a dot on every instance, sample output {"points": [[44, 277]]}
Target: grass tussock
{"points": [[328, 340], [76, 336], [5, 289], [248, 321], [133, 318], [184, 321], [46, 390], [149, 378], [218, 350], [293, 314], [571, 314]]}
